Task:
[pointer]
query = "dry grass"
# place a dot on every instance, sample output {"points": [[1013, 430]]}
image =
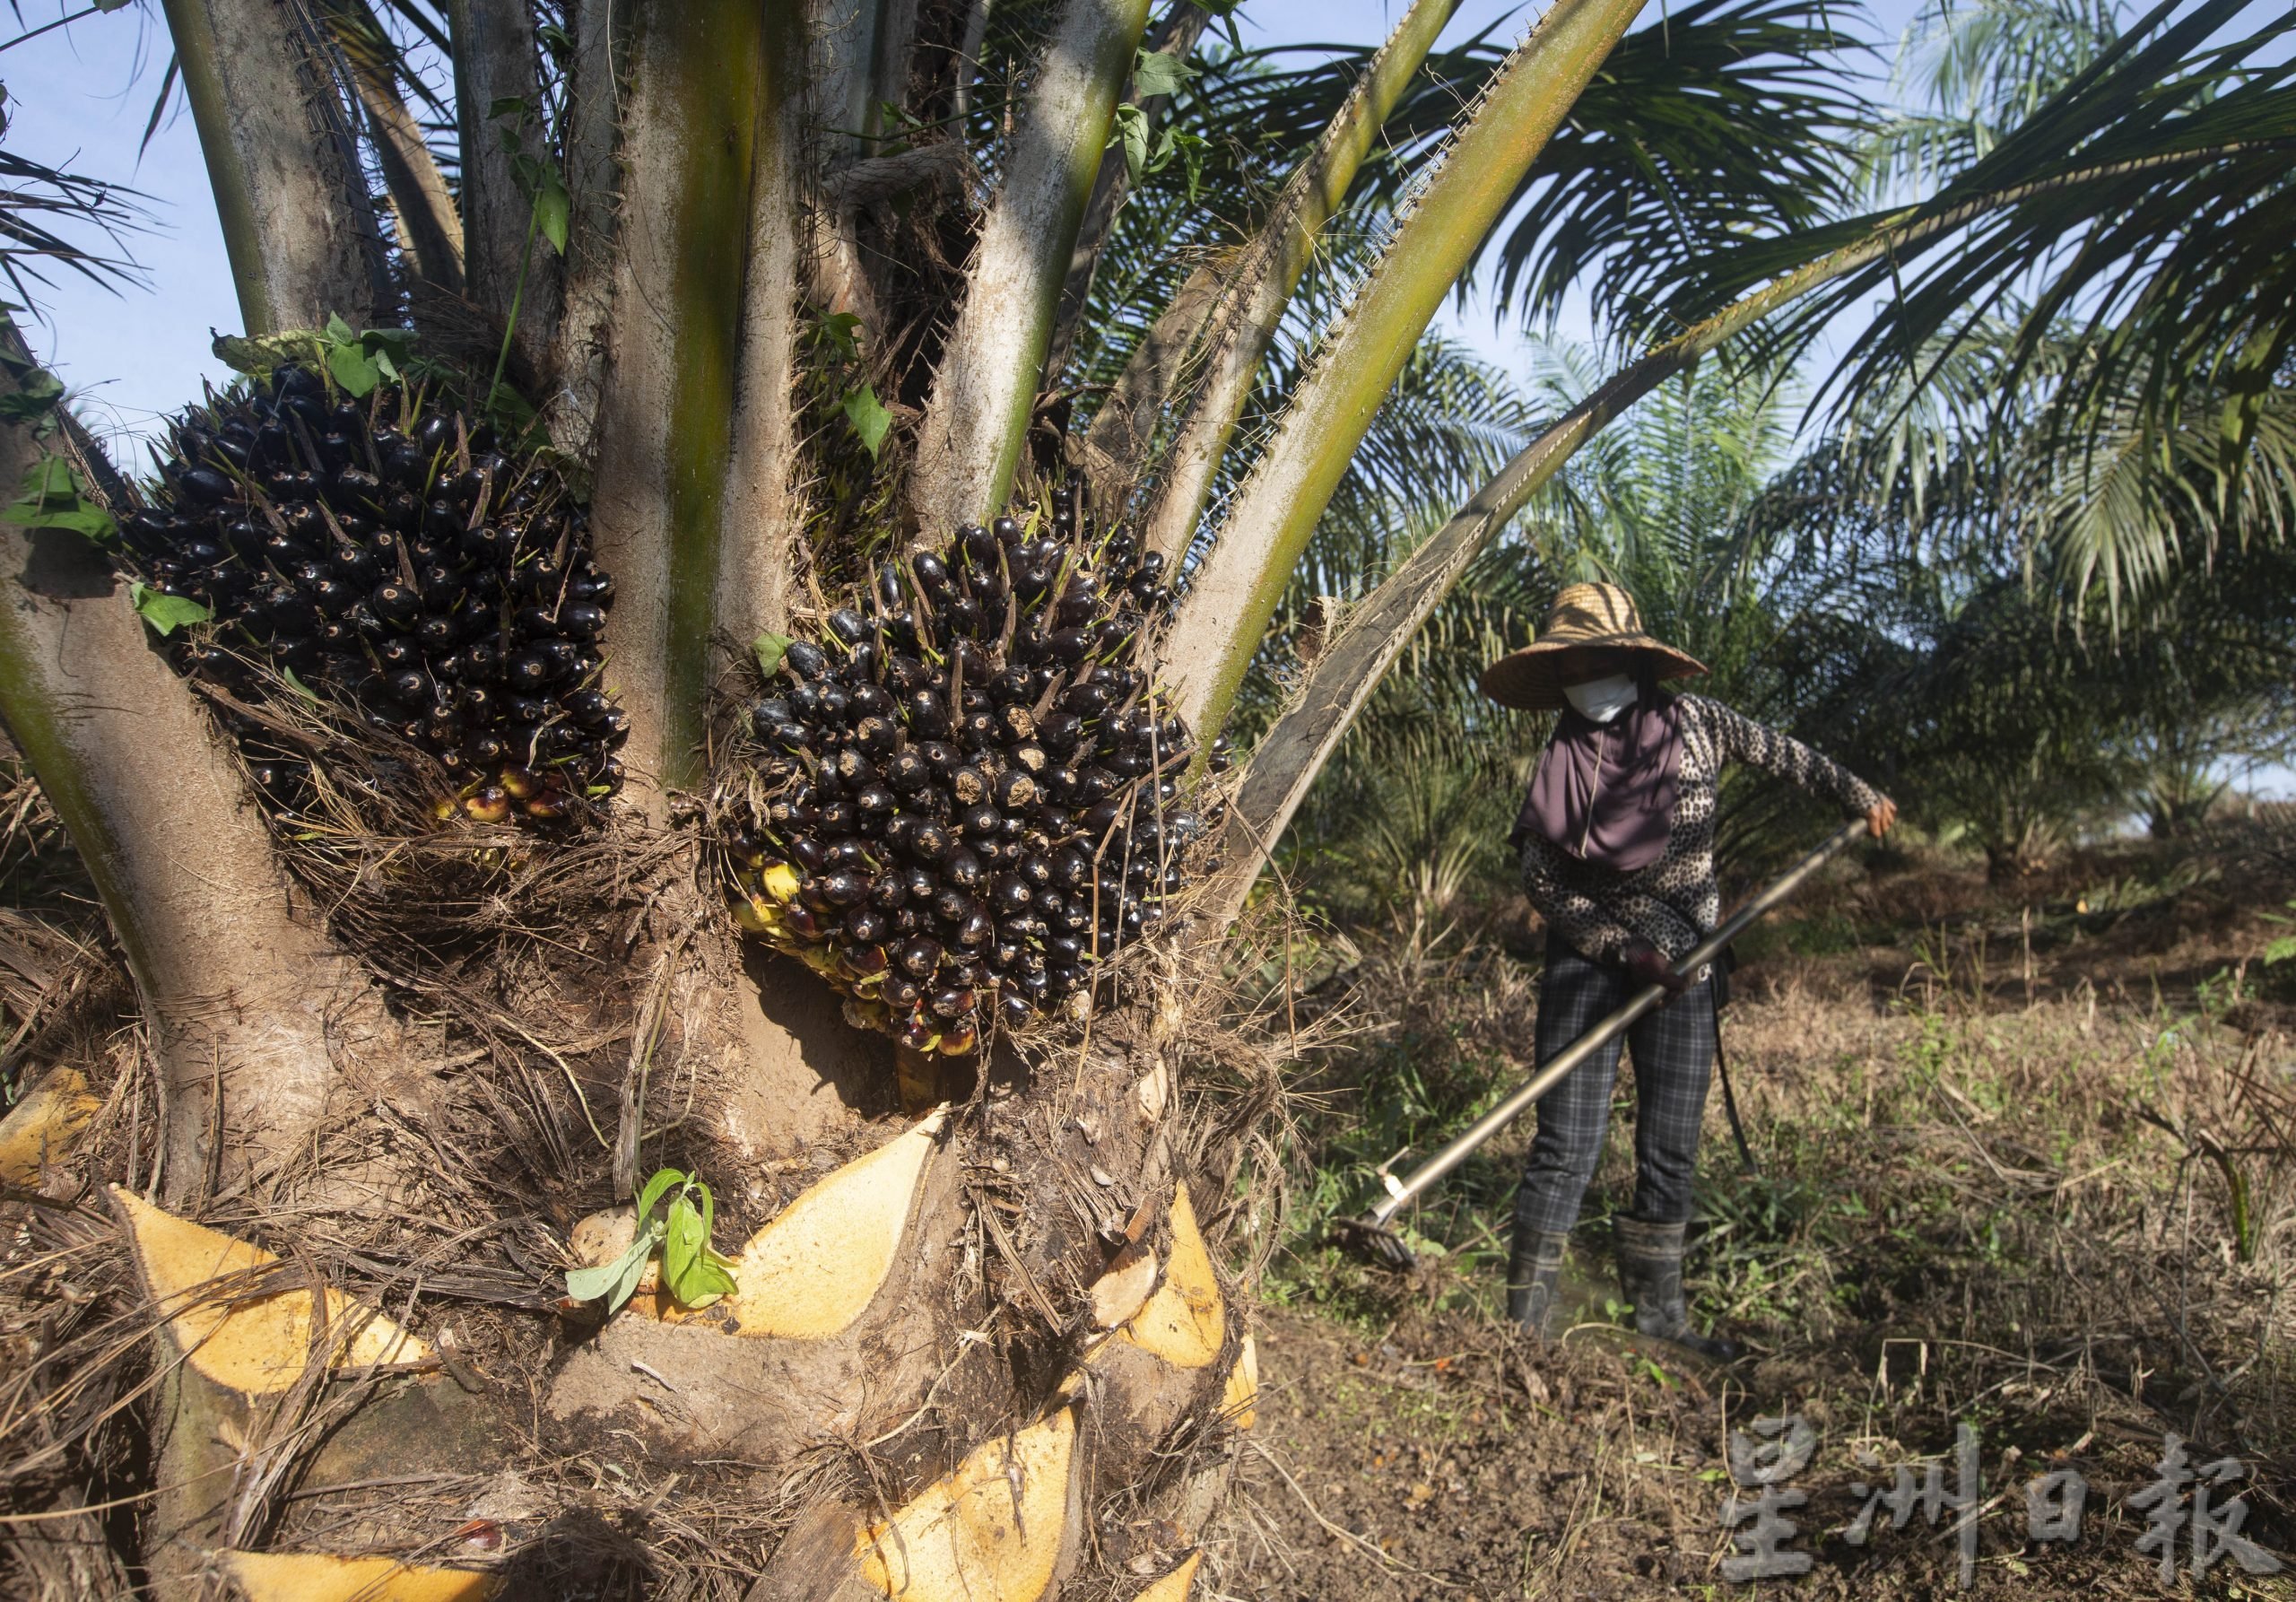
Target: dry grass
{"points": [[2031, 1170]]}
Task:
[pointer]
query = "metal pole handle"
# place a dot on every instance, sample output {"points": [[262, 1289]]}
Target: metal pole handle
{"points": [[1401, 1193]]}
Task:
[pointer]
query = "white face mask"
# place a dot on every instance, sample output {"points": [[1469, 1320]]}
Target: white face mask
{"points": [[1599, 700]]}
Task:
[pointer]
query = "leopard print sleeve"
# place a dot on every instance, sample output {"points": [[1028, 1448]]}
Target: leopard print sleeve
{"points": [[1737, 737], [1580, 919]]}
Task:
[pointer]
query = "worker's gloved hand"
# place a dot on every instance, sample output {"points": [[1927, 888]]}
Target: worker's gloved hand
{"points": [[1647, 965]]}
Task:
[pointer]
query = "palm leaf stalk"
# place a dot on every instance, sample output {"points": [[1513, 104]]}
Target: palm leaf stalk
{"points": [[1175, 36], [986, 388], [497, 107], [1213, 335], [430, 229], [1239, 582]]}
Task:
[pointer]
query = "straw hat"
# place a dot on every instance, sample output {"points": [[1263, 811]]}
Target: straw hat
{"points": [[1585, 616]]}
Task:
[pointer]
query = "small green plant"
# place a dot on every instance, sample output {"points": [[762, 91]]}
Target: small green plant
{"points": [[2283, 947], [694, 1275]]}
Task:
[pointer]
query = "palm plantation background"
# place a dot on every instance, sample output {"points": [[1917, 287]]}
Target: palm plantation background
{"points": [[1934, 392]]}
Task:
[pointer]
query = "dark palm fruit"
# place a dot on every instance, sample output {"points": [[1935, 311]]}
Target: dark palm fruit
{"points": [[1000, 729], [408, 686], [924, 713], [582, 620], [952, 1003], [905, 772], [929, 844], [592, 709], [396, 603], [961, 867], [325, 502], [1011, 686], [563, 657]]}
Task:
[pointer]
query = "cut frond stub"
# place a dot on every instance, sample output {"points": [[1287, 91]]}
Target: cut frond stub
{"points": [[210, 1290], [990, 1531], [45, 1126]]}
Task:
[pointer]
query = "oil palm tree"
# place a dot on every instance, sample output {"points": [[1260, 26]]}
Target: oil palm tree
{"points": [[772, 300]]}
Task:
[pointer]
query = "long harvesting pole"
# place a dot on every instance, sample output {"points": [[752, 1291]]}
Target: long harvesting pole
{"points": [[1401, 1193]]}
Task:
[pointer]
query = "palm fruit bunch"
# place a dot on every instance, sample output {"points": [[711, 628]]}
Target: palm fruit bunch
{"points": [[968, 796], [383, 554]]}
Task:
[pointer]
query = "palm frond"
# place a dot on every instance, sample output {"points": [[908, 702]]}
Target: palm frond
{"points": [[2148, 198], [51, 218], [1719, 118]]}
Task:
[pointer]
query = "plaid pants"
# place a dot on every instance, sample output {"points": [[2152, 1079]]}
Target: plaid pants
{"points": [[1673, 1060]]}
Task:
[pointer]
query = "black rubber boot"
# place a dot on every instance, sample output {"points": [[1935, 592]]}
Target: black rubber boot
{"points": [[1650, 1273], [1534, 1269]]}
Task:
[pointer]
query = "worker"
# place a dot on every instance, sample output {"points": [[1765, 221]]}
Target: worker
{"points": [[1617, 841]]}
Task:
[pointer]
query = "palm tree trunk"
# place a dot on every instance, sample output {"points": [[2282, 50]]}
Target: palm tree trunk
{"points": [[253, 1017], [300, 235], [692, 114], [494, 63]]}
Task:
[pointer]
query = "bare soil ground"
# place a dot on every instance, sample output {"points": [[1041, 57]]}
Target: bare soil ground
{"points": [[2026, 1165]]}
